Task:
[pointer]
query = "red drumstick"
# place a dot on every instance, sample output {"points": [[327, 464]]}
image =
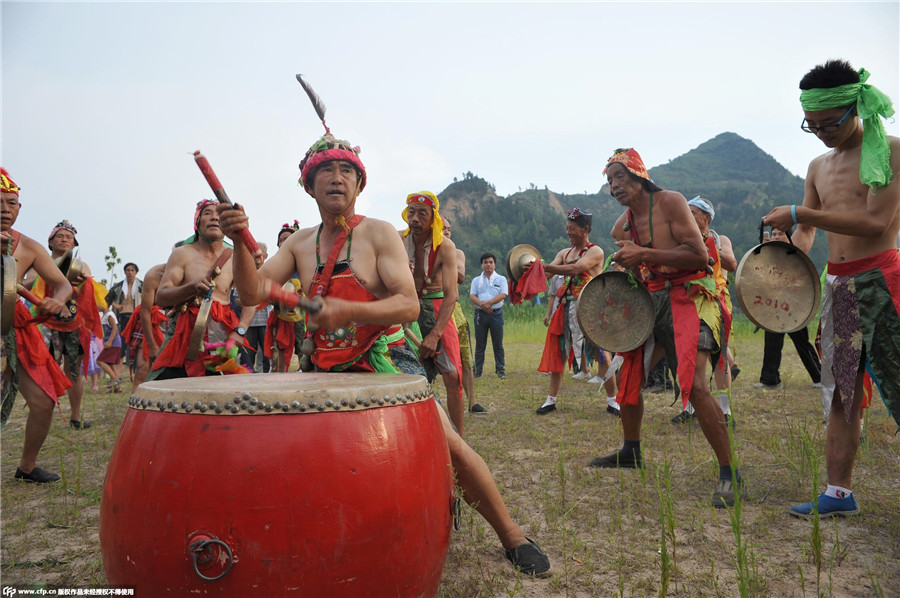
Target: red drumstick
{"points": [[278, 296], [26, 294], [219, 191]]}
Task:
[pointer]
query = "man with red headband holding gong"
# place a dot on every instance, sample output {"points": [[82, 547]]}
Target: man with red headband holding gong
{"points": [[190, 275], [26, 363], [852, 192], [660, 242], [363, 302]]}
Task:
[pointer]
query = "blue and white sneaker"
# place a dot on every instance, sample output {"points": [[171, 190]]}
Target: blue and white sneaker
{"points": [[828, 507]]}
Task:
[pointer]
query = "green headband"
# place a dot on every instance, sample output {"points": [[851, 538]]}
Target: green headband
{"points": [[875, 156]]}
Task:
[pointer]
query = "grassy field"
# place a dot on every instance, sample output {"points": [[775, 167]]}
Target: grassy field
{"points": [[608, 533]]}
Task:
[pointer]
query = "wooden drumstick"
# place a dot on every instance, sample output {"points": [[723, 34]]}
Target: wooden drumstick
{"points": [[219, 191], [278, 296]]}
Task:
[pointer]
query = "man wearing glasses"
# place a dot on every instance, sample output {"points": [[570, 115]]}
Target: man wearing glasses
{"points": [[852, 193]]}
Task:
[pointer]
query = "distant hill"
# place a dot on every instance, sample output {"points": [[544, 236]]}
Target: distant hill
{"points": [[742, 181]]}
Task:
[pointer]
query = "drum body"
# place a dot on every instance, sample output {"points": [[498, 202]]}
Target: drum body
{"points": [[279, 485]]}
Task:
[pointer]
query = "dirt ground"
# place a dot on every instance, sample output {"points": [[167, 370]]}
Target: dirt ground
{"points": [[604, 530]]}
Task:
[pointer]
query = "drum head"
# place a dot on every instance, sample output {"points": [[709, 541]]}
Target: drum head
{"points": [[519, 258], [614, 314], [10, 272], [778, 287], [273, 394]]}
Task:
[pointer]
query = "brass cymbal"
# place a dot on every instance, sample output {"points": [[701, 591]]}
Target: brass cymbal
{"points": [[519, 258]]}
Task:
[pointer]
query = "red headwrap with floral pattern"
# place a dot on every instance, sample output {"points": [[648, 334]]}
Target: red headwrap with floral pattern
{"points": [[200, 205], [631, 160]]}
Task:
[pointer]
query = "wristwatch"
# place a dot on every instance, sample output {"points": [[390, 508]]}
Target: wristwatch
{"points": [[241, 330]]}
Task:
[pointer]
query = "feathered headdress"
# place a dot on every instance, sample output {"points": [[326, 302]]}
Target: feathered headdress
{"points": [[327, 148]]}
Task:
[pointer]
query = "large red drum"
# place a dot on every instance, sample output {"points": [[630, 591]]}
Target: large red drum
{"points": [[279, 485]]}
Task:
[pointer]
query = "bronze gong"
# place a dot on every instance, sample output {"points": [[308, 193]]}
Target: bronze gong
{"points": [[615, 313]]}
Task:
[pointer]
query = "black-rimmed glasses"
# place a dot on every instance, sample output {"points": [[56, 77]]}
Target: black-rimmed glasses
{"points": [[826, 128]]}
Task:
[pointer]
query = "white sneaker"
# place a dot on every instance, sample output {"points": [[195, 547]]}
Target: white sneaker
{"points": [[817, 385], [596, 380], [581, 376]]}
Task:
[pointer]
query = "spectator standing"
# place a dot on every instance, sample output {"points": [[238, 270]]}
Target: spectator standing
{"points": [[488, 293], [124, 298]]}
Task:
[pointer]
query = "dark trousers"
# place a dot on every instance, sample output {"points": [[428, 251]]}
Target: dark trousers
{"points": [[256, 337], [492, 322], [772, 356]]}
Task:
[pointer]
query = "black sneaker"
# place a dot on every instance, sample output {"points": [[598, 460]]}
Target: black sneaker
{"points": [[729, 421], [501, 376], [734, 373], [79, 425], [476, 408], [684, 417], [546, 409], [613, 411], [36, 476], [618, 459], [529, 559]]}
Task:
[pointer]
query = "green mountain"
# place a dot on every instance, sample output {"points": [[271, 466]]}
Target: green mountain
{"points": [[742, 181]]}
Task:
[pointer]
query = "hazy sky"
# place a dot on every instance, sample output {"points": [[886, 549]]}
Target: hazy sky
{"points": [[103, 104]]}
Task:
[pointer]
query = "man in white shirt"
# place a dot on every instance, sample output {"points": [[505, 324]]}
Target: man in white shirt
{"points": [[488, 294]]}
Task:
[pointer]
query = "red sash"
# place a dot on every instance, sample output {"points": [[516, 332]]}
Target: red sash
{"points": [[175, 351], [279, 333], [34, 356]]}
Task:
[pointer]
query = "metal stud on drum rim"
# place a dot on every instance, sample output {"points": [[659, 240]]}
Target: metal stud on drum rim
{"points": [[777, 286], [615, 314]]}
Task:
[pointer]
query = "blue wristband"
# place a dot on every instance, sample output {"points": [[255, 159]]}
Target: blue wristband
{"points": [[794, 214]]}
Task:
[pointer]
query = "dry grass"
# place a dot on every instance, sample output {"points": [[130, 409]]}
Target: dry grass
{"points": [[602, 529]]}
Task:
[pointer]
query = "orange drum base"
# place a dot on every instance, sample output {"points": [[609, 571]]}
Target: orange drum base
{"points": [[282, 504]]}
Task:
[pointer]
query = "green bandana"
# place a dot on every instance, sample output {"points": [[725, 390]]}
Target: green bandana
{"points": [[875, 156]]}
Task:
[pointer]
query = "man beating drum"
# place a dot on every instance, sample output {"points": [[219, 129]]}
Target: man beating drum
{"points": [[198, 272], [362, 302]]}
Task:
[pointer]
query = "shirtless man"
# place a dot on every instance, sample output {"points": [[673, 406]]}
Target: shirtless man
{"points": [[852, 192], [578, 264], [434, 271], [722, 261], [188, 277], [372, 297], [27, 364], [143, 333], [659, 240], [462, 330], [69, 340]]}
